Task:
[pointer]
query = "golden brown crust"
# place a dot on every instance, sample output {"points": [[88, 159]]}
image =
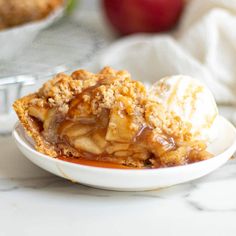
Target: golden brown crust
{"points": [[17, 12], [31, 126]]}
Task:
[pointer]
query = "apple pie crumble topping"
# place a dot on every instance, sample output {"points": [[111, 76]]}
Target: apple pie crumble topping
{"points": [[107, 117]]}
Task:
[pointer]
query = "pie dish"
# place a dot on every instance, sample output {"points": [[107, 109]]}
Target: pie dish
{"points": [[15, 12], [30, 17], [111, 119]]}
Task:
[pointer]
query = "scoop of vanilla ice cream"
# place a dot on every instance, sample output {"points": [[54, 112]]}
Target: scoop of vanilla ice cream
{"points": [[189, 99]]}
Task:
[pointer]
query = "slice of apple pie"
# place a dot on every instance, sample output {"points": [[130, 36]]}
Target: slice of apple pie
{"points": [[106, 117]]}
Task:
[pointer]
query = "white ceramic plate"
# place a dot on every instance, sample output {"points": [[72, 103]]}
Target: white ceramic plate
{"points": [[131, 179]]}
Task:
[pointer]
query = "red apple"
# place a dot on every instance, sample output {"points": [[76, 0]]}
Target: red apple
{"points": [[132, 16]]}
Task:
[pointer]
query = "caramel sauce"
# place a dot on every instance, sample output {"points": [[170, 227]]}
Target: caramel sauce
{"points": [[173, 93], [86, 162], [198, 90]]}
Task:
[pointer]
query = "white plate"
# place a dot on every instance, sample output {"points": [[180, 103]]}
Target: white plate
{"points": [[223, 148]]}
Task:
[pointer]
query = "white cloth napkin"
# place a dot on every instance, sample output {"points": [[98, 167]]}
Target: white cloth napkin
{"points": [[204, 46]]}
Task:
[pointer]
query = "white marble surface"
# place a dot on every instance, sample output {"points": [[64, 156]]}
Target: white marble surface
{"points": [[34, 202]]}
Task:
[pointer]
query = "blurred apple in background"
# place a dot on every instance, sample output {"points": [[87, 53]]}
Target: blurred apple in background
{"points": [[133, 16]]}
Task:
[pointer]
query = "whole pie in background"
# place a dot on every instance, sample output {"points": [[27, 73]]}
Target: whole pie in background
{"points": [[18, 12]]}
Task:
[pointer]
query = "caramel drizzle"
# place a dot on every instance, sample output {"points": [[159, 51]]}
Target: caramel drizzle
{"points": [[173, 93]]}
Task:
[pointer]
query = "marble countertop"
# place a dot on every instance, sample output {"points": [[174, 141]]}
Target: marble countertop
{"points": [[35, 202]]}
